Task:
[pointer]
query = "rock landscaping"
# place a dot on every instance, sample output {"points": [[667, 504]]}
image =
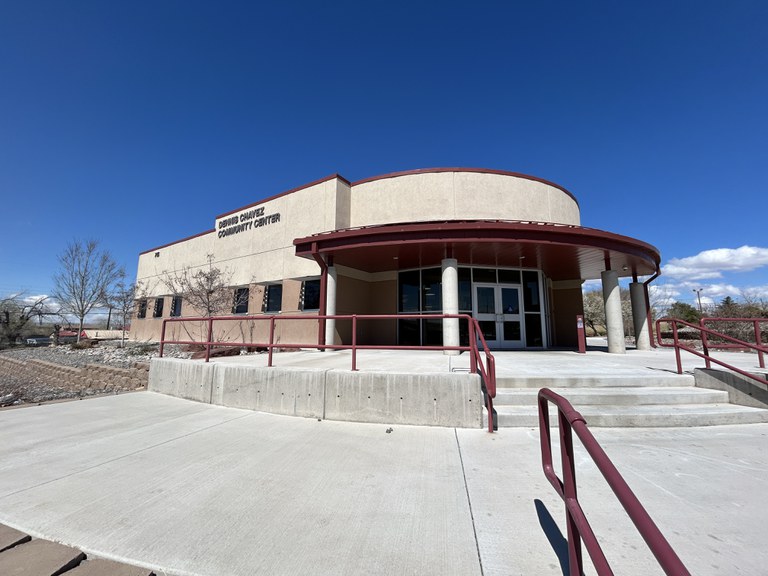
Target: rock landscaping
{"points": [[34, 375]]}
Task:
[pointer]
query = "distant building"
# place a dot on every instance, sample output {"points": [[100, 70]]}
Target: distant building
{"points": [[504, 247]]}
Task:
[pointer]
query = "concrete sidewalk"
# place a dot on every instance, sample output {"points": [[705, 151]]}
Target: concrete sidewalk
{"points": [[187, 488]]}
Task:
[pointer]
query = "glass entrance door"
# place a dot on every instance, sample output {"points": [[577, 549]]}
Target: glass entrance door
{"points": [[497, 309]]}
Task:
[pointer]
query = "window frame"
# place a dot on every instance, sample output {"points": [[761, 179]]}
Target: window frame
{"points": [[265, 304], [157, 309], [240, 300], [176, 303], [302, 304]]}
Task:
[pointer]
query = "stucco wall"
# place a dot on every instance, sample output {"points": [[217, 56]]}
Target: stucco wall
{"points": [[566, 303], [460, 196]]}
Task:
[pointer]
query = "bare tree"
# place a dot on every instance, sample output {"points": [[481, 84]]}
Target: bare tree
{"points": [[207, 290], [86, 274], [16, 311], [122, 299], [594, 310]]}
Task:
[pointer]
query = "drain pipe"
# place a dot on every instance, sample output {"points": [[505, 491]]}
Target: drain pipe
{"points": [[323, 290], [648, 305]]}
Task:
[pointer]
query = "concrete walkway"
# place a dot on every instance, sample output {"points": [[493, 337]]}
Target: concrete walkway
{"points": [[186, 488]]}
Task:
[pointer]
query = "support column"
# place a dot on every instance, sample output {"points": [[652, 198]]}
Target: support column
{"points": [[640, 316], [450, 292], [330, 306], [614, 324]]}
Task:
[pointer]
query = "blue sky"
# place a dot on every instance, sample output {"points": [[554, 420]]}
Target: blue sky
{"points": [[135, 123]]}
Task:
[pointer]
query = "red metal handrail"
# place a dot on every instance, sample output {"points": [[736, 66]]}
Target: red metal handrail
{"points": [[703, 333], [487, 372], [578, 527], [757, 332]]}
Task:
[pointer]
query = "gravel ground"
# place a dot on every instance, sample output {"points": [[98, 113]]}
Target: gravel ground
{"points": [[15, 390]]}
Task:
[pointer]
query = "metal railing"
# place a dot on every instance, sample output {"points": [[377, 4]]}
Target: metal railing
{"points": [[730, 346], [704, 335], [486, 371], [578, 527]]}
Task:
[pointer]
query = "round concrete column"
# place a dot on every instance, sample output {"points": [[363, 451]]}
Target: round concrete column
{"points": [[450, 291], [640, 316], [614, 324], [330, 306]]}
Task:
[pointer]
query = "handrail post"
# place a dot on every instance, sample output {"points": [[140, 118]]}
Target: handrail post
{"points": [[676, 340], [270, 345], [704, 343], [354, 342], [209, 339], [162, 338], [759, 342], [474, 352]]}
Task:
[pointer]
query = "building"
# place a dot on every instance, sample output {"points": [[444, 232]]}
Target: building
{"points": [[506, 248]]}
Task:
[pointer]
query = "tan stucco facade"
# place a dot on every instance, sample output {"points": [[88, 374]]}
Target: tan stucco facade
{"points": [[256, 246]]}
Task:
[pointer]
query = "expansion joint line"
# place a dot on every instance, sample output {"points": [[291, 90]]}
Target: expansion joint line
{"points": [[469, 502]]}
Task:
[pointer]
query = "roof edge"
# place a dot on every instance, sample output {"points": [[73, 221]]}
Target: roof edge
{"points": [[177, 241], [291, 191]]}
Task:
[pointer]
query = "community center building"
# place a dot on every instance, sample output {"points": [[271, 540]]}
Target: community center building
{"points": [[505, 248]]}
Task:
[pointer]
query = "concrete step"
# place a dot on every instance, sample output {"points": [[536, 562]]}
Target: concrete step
{"points": [[638, 416], [620, 396], [656, 380]]}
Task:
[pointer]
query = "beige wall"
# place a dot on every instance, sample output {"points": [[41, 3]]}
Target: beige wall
{"points": [[460, 196], [264, 254], [566, 303]]}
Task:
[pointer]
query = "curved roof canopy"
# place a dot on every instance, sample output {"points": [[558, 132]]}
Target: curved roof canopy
{"points": [[563, 252]]}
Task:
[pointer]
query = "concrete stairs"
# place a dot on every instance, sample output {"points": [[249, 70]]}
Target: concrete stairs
{"points": [[623, 401]]}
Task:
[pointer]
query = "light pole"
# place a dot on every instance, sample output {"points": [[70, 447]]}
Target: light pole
{"points": [[698, 294]]}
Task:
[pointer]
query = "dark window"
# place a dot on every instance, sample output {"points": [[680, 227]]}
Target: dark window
{"points": [[273, 298], [310, 295], [487, 275], [158, 310], [142, 311], [533, 335], [176, 306], [465, 290], [409, 332], [431, 332], [509, 276], [432, 293], [531, 301], [408, 287], [240, 304]]}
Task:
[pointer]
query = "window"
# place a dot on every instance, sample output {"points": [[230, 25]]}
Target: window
{"points": [[310, 295], [240, 304], [176, 306], [273, 298], [158, 310], [142, 309]]}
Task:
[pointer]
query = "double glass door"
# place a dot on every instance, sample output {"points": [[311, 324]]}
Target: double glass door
{"points": [[497, 310]]}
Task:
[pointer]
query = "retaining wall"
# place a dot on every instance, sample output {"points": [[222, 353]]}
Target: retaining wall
{"points": [[434, 399], [741, 390], [92, 377]]}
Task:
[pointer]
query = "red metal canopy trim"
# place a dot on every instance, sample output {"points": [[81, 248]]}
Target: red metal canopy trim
{"points": [[562, 251]]}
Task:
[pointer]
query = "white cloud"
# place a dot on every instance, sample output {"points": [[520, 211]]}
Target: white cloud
{"points": [[712, 263]]}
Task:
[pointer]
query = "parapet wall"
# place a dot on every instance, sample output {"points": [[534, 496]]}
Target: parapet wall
{"points": [[434, 399]]}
